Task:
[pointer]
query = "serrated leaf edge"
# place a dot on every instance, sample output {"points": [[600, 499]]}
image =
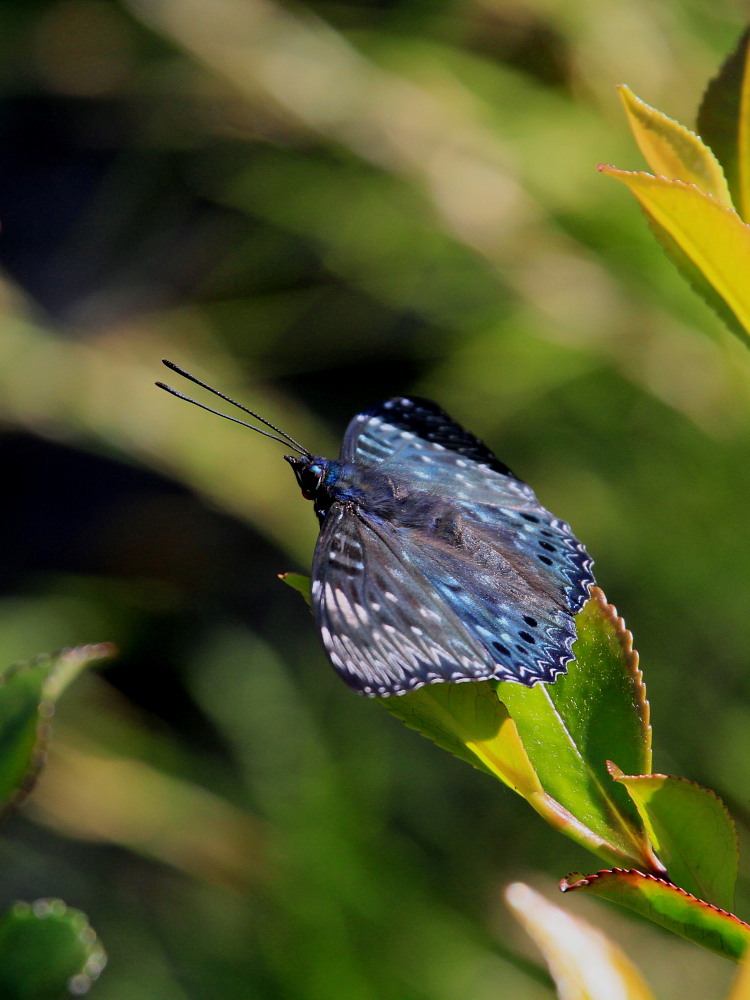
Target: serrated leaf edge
{"points": [[619, 776], [582, 881], [633, 104], [611, 170], [50, 907], [625, 637]]}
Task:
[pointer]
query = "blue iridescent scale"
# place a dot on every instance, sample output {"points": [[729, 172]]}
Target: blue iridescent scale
{"points": [[434, 562]]}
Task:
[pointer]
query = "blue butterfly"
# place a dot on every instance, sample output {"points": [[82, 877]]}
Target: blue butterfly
{"points": [[434, 561]]}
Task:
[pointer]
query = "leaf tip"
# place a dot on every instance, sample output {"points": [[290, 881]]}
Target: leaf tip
{"points": [[571, 881], [614, 771]]}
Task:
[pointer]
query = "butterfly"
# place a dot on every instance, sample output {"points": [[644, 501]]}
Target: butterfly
{"points": [[434, 561]]}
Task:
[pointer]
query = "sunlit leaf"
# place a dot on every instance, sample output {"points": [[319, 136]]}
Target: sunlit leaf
{"points": [[671, 150], [584, 963], [724, 122], [470, 722], [708, 242], [570, 729], [47, 951], [28, 692], [669, 906], [692, 833]]}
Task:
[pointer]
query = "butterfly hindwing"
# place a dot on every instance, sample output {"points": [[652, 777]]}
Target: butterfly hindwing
{"points": [[518, 614], [384, 626], [398, 609]]}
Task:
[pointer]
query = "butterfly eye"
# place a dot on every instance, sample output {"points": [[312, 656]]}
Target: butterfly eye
{"points": [[310, 476]]}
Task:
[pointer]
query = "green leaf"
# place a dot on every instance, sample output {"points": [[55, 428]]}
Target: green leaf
{"points": [[298, 582], [28, 692], [551, 743], [469, 721], [707, 241], [692, 832], [571, 728], [554, 755], [724, 122], [671, 150], [47, 951], [583, 962], [669, 906]]}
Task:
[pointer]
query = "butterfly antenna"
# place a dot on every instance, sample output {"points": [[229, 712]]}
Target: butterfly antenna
{"points": [[285, 439]]}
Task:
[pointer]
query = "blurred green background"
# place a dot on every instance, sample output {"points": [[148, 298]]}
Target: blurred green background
{"points": [[315, 207]]}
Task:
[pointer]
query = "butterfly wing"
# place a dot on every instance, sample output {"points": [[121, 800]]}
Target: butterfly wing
{"points": [[519, 612], [397, 609], [484, 582], [419, 445], [384, 626], [396, 429]]}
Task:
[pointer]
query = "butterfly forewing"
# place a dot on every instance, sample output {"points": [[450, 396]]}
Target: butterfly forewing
{"points": [[387, 430], [452, 465]]}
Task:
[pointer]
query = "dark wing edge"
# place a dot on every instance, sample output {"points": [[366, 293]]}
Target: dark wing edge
{"points": [[424, 419], [581, 574]]}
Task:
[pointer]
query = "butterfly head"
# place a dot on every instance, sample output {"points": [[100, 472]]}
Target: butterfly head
{"points": [[316, 478], [310, 472]]}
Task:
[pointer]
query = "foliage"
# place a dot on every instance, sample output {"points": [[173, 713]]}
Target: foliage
{"points": [[585, 964], [315, 206], [47, 950], [689, 204], [674, 842]]}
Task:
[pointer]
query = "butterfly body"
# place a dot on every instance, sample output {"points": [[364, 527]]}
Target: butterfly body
{"points": [[434, 562]]}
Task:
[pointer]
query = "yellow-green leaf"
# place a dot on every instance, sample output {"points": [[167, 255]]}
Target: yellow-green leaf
{"points": [[710, 240], [669, 906], [571, 728], [673, 151], [584, 963], [469, 721], [691, 831]]}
